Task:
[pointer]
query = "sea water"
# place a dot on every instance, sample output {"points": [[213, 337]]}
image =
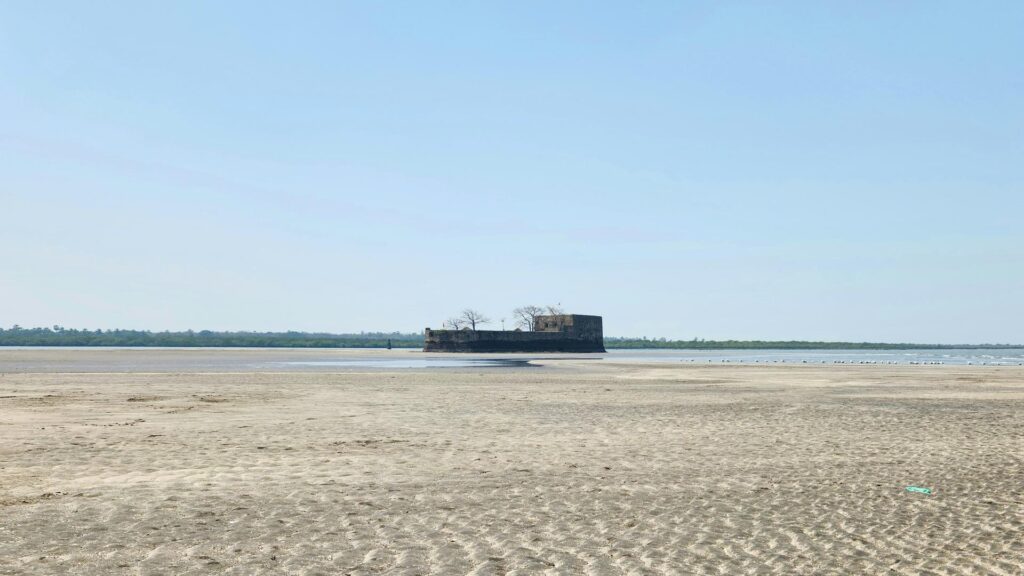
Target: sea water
{"points": [[327, 360], [959, 356], [956, 357]]}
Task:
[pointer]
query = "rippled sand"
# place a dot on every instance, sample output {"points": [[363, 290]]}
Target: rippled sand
{"points": [[571, 468]]}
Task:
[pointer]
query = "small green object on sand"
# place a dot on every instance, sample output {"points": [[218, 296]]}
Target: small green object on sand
{"points": [[919, 489]]}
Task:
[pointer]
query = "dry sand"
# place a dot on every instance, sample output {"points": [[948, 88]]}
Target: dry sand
{"points": [[572, 468]]}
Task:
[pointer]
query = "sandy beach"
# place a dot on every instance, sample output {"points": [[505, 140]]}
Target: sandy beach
{"points": [[171, 462]]}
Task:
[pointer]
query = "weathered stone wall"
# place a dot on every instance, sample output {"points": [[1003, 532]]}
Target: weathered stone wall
{"points": [[579, 325], [574, 333]]}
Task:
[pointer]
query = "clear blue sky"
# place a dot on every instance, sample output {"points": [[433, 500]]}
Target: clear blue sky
{"points": [[776, 170]]}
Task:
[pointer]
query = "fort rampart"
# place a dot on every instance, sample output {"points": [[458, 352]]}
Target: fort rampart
{"points": [[562, 333]]}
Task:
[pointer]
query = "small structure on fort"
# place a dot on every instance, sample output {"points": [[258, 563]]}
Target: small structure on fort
{"points": [[551, 333]]}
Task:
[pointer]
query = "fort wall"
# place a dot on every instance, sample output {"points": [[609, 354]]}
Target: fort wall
{"points": [[564, 333]]}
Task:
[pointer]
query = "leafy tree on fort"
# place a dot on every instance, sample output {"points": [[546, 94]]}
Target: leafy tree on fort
{"points": [[526, 316], [472, 317]]}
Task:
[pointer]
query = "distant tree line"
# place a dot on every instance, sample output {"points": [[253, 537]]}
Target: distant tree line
{"points": [[60, 336]]}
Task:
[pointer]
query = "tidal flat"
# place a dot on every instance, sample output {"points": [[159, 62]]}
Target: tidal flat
{"points": [[249, 462]]}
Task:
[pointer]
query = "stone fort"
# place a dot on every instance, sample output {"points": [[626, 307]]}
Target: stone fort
{"points": [[561, 333]]}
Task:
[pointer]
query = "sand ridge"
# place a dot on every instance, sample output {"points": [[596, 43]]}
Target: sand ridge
{"points": [[572, 468]]}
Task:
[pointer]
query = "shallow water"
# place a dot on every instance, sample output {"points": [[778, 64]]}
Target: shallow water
{"points": [[27, 359], [961, 357], [416, 363], [957, 357]]}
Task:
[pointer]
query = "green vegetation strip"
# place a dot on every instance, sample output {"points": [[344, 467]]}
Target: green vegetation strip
{"points": [[60, 336]]}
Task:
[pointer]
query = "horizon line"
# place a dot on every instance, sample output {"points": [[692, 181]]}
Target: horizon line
{"points": [[57, 329]]}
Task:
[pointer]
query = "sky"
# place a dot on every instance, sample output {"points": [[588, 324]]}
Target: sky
{"points": [[719, 170]]}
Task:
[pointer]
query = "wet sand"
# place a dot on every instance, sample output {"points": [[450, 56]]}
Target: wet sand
{"points": [[164, 465]]}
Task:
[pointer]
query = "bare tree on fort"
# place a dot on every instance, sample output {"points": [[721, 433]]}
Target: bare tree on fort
{"points": [[555, 310], [526, 316], [455, 323], [472, 317]]}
